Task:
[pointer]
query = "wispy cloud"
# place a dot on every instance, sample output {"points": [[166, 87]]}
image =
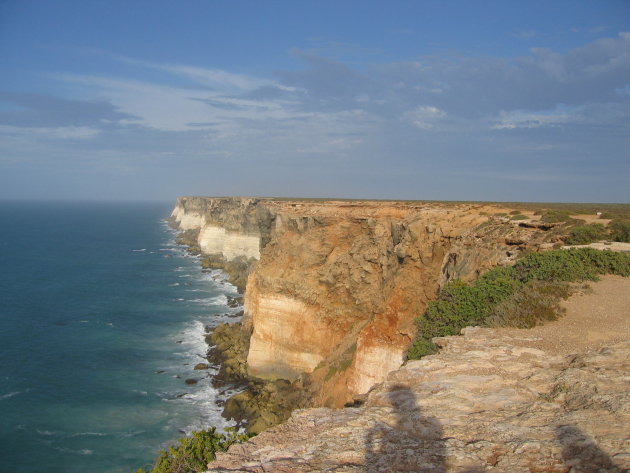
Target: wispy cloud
{"points": [[522, 119], [62, 133], [429, 93], [424, 117], [479, 117], [525, 34], [172, 108], [215, 78]]}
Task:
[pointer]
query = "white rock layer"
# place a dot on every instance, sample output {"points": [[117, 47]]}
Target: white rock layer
{"points": [[188, 220], [217, 240], [281, 347]]}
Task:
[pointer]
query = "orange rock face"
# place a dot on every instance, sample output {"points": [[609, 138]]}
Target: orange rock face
{"points": [[338, 284]]}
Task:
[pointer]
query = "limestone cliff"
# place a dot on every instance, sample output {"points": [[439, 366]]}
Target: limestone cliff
{"points": [[334, 285]]}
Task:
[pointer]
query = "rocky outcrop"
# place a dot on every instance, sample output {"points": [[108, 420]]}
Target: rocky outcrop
{"points": [[487, 402], [333, 287], [229, 344]]}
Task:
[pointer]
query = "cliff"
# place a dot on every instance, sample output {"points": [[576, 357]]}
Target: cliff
{"points": [[553, 399], [333, 286]]}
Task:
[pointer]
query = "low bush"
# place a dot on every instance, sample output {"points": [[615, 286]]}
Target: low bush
{"points": [[620, 230], [421, 347], [585, 234], [531, 304], [462, 304], [555, 216], [192, 454], [576, 264], [518, 296], [610, 215]]}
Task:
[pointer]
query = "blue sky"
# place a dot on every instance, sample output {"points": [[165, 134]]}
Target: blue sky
{"points": [[454, 100]]}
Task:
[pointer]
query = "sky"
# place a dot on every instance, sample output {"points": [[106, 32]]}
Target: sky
{"points": [[426, 100]]}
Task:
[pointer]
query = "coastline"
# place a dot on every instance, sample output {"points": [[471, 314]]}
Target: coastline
{"points": [[312, 267], [351, 276], [331, 289], [259, 404]]}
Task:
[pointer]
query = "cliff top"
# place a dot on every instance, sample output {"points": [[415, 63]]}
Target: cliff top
{"points": [[323, 205]]}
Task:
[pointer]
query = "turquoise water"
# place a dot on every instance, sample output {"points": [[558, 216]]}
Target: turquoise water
{"points": [[102, 318]]}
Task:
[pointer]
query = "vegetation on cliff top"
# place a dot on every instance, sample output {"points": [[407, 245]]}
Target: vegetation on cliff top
{"points": [[617, 230], [522, 295]]}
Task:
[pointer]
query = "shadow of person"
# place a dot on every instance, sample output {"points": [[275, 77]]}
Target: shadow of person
{"points": [[582, 454], [405, 440]]}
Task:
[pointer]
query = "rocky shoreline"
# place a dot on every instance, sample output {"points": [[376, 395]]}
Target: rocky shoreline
{"points": [[261, 404]]}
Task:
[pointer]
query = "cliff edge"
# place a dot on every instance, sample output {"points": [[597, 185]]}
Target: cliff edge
{"points": [[333, 286], [553, 399]]}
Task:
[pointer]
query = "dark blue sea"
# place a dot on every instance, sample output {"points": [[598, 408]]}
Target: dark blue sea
{"points": [[102, 319]]}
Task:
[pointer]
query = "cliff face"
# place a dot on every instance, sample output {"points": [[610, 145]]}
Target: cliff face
{"points": [[337, 284], [229, 227]]}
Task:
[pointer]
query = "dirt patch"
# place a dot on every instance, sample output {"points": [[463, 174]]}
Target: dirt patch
{"points": [[594, 319], [611, 246]]}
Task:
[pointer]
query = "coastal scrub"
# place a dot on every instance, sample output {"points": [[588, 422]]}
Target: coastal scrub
{"points": [[522, 295], [192, 454]]}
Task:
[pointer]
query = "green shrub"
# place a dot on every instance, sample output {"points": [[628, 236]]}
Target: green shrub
{"points": [[585, 234], [575, 264], [460, 304], [515, 212], [620, 230], [555, 216], [518, 217], [518, 296], [420, 347], [610, 215], [531, 304], [192, 454]]}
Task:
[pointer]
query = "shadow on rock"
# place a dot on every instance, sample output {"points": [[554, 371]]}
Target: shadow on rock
{"points": [[582, 454], [406, 441]]}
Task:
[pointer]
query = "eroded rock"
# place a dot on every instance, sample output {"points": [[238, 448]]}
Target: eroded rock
{"points": [[483, 404]]}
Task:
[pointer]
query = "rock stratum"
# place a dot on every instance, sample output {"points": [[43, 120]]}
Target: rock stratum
{"points": [[333, 286]]}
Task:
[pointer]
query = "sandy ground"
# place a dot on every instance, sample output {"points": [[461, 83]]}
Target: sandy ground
{"points": [[591, 219], [612, 246], [594, 319]]}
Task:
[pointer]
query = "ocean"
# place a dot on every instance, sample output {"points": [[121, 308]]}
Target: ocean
{"points": [[102, 320]]}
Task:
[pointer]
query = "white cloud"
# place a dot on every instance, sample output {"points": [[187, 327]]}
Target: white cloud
{"points": [[61, 133], [215, 78], [424, 117], [523, 119], [171, 108]]}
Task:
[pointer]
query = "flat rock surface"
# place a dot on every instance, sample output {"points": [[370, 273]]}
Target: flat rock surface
{"points": [[553, 399]]}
